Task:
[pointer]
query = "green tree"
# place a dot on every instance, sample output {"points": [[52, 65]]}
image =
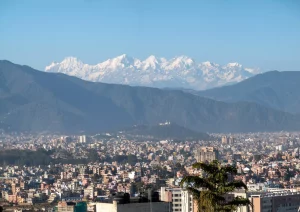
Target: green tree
{"points": [[132, 159], [93, 155], [209, 191], [257, 157]]}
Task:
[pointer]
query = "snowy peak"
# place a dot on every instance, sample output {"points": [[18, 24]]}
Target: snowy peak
{"points": [[183, 60], [234, 65], [181, 71], [71, 60], [151, 59], [124, 59], [67, 63], [150, 62], [118, 62], [208, 64], [51, 66], [182, 63]]}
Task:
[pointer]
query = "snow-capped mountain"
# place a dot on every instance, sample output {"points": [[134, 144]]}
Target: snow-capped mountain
{"points": [[178, 72]]}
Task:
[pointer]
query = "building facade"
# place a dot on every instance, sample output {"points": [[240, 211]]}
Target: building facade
{"points": [[132, 207], [179, 199], [276, 201], [206, 154]]}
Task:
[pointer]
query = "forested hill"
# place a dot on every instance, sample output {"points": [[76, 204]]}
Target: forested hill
{"points": [[32, 100]]}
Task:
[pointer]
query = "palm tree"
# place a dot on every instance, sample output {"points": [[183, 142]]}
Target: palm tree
{"points": [[209, 191]]}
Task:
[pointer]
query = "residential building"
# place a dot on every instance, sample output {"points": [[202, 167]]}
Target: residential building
{"points": [[180, 200], [82, 139], [206, 154], [132, 207], [276, 201], [72, 207]]}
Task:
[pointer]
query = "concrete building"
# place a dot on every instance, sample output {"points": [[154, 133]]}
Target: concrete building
{"points": [[65, 207], [276, 201], [206, 154], [231, 140], [187, 202], [82, 139], [71, 207], [227, 140], [280, 147], [13, 188], [132, 207], [238, 193], [89, 192], [256, 187], [179, 200], [224, 140]]}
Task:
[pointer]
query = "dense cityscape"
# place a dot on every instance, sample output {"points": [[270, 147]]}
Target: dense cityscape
{"points": [[47, 172], [149, 106]]}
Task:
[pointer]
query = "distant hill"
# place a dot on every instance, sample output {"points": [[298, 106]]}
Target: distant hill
{"points": [[36, 101], [278, 90], [32, 100], [169, 131]]}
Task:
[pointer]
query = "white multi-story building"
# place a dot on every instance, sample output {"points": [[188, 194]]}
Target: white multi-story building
{"points": [[187, 202], [179, 199], [82, 139], [256, 187], [132, 207]]}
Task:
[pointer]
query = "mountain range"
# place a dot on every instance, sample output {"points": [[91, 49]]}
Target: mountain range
{"points": [[274, 89], [178, 72], [36, 101]]}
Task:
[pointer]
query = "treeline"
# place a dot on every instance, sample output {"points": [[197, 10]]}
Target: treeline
{"points": [[131, 159], [43, 157], [25, 157], [34, 158]]}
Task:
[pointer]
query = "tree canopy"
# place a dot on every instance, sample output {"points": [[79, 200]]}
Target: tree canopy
{"points": [[210, 189]]}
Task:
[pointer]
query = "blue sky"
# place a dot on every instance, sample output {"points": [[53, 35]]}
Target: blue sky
{"points": [[256, 33]]}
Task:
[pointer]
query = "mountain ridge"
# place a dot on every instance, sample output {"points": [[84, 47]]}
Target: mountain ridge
{"points": [[179, 71], [274, 89], [35, 101]]}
